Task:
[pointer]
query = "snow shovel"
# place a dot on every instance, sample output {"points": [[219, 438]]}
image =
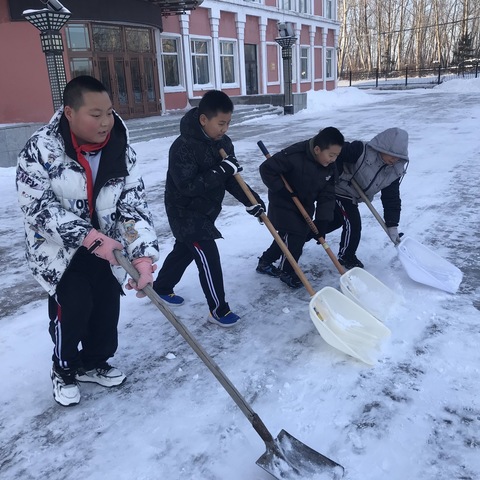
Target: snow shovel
{"points": [[286, 457], [348, 336], [335, 315], [421, 264], [357, 284]]}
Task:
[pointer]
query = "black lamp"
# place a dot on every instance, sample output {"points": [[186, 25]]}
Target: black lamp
{"points": [[286, 41], [49, 21]]}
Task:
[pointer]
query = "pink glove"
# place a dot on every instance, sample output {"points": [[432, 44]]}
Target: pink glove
{"points": [[102, 246], [145, 269]]}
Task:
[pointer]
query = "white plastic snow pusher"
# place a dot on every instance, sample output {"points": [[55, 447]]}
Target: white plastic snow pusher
{"points": [[421, 264], [425, 266], [369, 292], [345, 325]]}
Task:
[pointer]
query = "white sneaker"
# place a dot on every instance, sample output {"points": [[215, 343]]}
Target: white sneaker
{"points": [[65, 387], [104, 375]]}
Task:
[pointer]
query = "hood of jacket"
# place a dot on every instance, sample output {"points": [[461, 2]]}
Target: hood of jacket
{"points": [[393, 141], [190, 126]]}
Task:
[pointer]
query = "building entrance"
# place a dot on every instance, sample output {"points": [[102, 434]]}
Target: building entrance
{"points": [[123, 59]]}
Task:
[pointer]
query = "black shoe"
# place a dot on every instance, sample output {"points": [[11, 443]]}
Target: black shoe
{"points": [[291, 280], [268, 269], [350, 262]]}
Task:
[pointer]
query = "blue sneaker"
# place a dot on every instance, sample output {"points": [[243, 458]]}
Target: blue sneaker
{"points": [[172, 299], [227, 320]]}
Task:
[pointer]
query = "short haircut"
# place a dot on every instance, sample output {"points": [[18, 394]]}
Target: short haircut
{"points": [[327, 137], [73, 93], [213, 102]]}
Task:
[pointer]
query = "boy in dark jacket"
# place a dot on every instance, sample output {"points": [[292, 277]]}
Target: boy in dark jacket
{"points": [[197, 179], [309, 169], [377, 166], [82, 197]]}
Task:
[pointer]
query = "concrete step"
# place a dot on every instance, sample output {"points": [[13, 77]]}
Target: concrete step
{"points": [[167, 125]]}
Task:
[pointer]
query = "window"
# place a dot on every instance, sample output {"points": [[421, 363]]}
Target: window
{"points": [[227, 61], [171, 63], [304, 6], [329, 8], [81, 66], [304, 63], [287, 4], [107, 38], [200, 62], [329, 63], [138, 40], [77, 37]]}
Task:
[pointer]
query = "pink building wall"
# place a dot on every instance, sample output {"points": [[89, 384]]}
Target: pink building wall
{"points": [[24, 83]]}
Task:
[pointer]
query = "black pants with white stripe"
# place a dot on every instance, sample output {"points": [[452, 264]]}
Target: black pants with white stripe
{"points": [[348, 217], [85, 310], [207, 258], [294, 243]]}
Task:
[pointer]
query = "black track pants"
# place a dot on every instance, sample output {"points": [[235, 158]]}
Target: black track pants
{"points": [[207, 258], [85, 311], [294, 244], [348, 217]]}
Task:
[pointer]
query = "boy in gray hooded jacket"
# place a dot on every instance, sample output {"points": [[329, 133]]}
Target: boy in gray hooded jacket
{"points": [[377, 166]]}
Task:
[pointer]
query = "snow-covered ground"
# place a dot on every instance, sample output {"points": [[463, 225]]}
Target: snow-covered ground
{"points": [[415, 415]]}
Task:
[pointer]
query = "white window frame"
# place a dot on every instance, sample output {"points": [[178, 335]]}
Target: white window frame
{"points": [[181, 69], [305, 49], [314, 57], [329, 9], [234, 55], [306, 4], [279, 65], [288, 5], [208, 41], [330, 63]]}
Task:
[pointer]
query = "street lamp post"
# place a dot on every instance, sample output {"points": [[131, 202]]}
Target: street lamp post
{"points": [[286, 41], [49, 21]]}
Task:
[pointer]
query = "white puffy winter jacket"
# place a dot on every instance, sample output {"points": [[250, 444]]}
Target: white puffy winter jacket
{"points": [[52, 190]]}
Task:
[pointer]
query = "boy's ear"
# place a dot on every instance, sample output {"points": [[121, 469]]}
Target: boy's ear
{"points": [[68, 112], [203, 119]]}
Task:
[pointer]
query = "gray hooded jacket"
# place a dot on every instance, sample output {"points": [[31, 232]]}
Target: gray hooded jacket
{"points": [[362, 161]]}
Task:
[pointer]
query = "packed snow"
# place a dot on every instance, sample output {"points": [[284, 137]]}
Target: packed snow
{"points": [[414, 415]]}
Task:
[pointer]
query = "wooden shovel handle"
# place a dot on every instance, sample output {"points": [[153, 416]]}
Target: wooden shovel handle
{"points": [[306, 216], [273, 231], [314, 228]]}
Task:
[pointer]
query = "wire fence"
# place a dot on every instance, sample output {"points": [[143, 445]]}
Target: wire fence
{"points": [[408, 78]]}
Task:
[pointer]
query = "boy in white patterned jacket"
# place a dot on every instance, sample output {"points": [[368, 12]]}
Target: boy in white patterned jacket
{"points": [[82, 197]]}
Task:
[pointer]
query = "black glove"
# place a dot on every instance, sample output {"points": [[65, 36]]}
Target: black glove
{"points": [[228, 166], [255, 210], [321, 231]]}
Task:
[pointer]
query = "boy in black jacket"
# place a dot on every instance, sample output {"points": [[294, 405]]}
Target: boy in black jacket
{"points": [[309, 169], [197, 179]]}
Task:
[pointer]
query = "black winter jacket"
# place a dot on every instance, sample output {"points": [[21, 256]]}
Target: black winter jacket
{"points": [[194, 191], [313, 184]]}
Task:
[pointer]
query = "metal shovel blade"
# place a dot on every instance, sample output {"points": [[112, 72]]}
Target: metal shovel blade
{"points": [[287, 458]]}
